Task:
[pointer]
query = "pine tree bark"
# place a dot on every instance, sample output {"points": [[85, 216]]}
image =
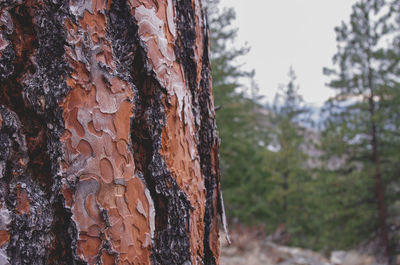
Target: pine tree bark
{"points": [[379, 190], [108, 143]]}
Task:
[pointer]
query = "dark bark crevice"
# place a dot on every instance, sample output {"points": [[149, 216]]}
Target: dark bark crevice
{"points": [[24, 201], [32, 81], [43, 91], [201, 107], [171, 205], [207, 140], [171, 237], [186, 41]]}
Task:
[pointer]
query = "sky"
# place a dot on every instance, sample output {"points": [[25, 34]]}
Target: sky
{"points": [[284, 33]]}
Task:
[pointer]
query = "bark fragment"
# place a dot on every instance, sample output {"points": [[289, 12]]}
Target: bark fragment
{"points": [[30, 176], [99, 166]]}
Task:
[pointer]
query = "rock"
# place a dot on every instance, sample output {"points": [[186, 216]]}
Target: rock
{"points": [[248, 249], [337, 257], [351, 258], [354, 258]]}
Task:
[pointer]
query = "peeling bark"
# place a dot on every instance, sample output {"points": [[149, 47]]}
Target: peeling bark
{"points": [[108, 142]]}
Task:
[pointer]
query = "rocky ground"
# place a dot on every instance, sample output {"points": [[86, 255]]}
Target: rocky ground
{"points": [[249, 249]]}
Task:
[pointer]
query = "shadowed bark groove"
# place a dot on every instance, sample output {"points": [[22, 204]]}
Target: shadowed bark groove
{"points": [[203, 110], [171, 205], [209, 162], [108, 144], [32, 67]]}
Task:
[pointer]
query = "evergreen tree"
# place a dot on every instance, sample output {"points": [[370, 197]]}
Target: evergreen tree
{"points": [[358, 126], [239, 118], [288, 161]]}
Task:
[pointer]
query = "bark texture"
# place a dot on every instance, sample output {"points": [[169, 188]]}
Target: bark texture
{"points": [[108, 143]]}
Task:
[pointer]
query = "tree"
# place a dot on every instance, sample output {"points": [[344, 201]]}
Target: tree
{"points": [[357, 126], [287, 112], [287, 158], [109, 150], [239, 119]]}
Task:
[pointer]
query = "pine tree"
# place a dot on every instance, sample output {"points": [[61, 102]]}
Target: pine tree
{"points": [[357, 124], [240, 120], [288, 160]]}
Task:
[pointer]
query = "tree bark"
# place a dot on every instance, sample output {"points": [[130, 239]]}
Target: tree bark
{"points": [[381, 206], [108, 142], [379, 190]]}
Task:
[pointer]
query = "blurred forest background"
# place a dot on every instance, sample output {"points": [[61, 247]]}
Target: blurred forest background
{"points": [[325, 183]]}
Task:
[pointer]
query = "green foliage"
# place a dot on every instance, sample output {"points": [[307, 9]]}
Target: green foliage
{"points": [[278, 169], [239, 120], [366, 97], [288, 159]]}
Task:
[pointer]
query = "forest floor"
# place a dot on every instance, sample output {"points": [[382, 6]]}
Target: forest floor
{"points": [[250, 248]]}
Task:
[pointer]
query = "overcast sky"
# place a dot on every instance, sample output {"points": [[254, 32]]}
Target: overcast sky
{"points": [[282, 33]]}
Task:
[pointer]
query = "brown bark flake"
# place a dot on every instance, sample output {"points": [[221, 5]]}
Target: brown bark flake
{"points": [[179, 145], [4, 237], [23, 205], [97, 115]]}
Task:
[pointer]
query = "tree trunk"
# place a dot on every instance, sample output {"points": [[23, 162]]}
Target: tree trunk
{"points": [[379, 186], [108, 143], [379, 190]]}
